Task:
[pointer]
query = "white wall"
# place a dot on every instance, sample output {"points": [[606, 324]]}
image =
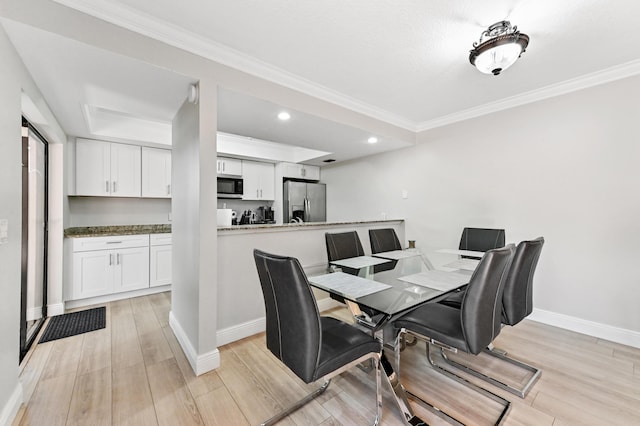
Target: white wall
{"points": [[10, 209], [105, 211], [566, 168], [194, 296]]}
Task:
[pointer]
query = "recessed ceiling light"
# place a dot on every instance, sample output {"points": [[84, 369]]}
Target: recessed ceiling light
{"points": [[372, 139], [284, 116]]}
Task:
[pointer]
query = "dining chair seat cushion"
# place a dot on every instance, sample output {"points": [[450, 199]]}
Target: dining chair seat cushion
{"points": [[337, 336], [436, 321]]}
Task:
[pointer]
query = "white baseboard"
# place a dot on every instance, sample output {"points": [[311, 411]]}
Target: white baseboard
{"points": [[34, 313], [72, 304], [249, 328], [10, 409], [55, 309], [590, 328], [240, 331], [200, 364]]}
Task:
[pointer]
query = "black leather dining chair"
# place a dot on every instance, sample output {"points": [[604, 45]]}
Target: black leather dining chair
{"points": [[481, 239], [469, 329], [517, 304], [383, 240], [343, 245], [310, 345]]}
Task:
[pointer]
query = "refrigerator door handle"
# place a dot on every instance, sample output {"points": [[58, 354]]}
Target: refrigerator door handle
{"points": [[307, 214]]}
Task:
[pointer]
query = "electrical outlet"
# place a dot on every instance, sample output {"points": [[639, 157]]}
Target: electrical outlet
{"points": [[404, 194]]}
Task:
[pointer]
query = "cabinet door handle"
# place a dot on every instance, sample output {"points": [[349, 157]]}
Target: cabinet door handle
{"points": [[114, 242], [223, 164], [118, 259], [261, 193], [110, 259], [114, 186], [169, 189], [304, 172], [106, 186]]}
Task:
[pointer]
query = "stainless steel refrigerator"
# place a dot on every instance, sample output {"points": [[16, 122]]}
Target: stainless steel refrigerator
{"points": [[303, 201]]}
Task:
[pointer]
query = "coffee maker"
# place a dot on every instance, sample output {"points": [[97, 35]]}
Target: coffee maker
{"points": [[264, 215]]}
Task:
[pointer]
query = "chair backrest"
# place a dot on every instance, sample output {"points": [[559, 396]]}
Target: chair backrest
{"points": [[343, 245], [293, 320], [482, 303], [481, 239], [383, 240], [517, 299]]}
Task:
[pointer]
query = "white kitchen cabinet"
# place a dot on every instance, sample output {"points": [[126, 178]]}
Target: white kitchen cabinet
{"points": [[258, 180], [229, 166], [156, 172], [300, 171], [107, 169], [160, 252], [106, 265]]}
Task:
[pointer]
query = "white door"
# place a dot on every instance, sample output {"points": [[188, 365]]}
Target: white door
{"points": [[160, 265], [126, 173], [131, 269], [92, 273], [93, 168], [258, 180], [156, 172]]}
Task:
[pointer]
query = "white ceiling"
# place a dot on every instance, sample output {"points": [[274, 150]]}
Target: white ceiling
{"points": [[402, 62]]}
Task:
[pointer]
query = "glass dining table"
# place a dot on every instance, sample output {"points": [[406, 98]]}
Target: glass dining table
{"points": [[390, 284]]}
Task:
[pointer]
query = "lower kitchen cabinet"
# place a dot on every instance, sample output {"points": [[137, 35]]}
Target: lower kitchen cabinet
{"points": [[160, 260], [109, 265]]}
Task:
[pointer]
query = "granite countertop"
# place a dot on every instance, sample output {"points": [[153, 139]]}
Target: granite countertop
{"points": [[301, 225], [104, 231]]}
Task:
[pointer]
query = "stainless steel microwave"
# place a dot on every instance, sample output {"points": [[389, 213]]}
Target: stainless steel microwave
{"points": [[230, 187]]}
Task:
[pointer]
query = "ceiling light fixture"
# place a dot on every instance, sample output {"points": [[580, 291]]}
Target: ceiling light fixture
{"points": [[498, 48], [284, 116], [372, 139]]}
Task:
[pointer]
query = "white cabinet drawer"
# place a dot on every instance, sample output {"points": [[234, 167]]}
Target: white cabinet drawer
{"points": [[160, 239], [109, 243]]}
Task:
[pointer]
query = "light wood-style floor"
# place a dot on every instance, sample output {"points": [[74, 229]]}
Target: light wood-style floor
{"points": [[134, 372]]}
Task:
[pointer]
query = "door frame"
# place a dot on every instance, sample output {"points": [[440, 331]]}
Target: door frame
{"points": [[27, 341]]}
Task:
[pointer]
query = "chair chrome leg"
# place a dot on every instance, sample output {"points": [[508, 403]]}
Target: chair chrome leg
{"points": [[375, 357], [284, 413], [410, 418], [506, 404], [498, 354]]}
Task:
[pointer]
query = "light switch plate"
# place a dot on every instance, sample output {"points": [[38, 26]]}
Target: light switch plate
{"points": [[405, 194]]}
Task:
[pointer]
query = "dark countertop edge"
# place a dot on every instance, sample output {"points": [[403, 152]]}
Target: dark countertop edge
{"points": [[105, 231], [302, 225]]}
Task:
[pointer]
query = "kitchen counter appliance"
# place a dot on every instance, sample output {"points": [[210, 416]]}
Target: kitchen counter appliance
{"points": [[230, 187], [304, 202]]}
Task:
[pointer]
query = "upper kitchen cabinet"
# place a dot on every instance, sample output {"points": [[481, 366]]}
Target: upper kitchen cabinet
{"points": [[229, 166], [259, 180], [107, 169], [156, 172], [300, 171]]}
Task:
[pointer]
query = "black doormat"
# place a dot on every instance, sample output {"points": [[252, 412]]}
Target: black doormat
{"points": [[74, 323]]}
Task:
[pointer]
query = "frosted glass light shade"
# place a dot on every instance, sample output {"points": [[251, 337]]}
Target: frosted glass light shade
{"points": [[498, 48], [497, 59]]}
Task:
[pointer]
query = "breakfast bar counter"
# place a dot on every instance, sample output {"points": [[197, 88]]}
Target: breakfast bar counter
{"points": [[240, 304]]}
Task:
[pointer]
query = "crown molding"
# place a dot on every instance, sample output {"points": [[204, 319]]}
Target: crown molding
{"points": [[608, 75], [173, 35]]}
